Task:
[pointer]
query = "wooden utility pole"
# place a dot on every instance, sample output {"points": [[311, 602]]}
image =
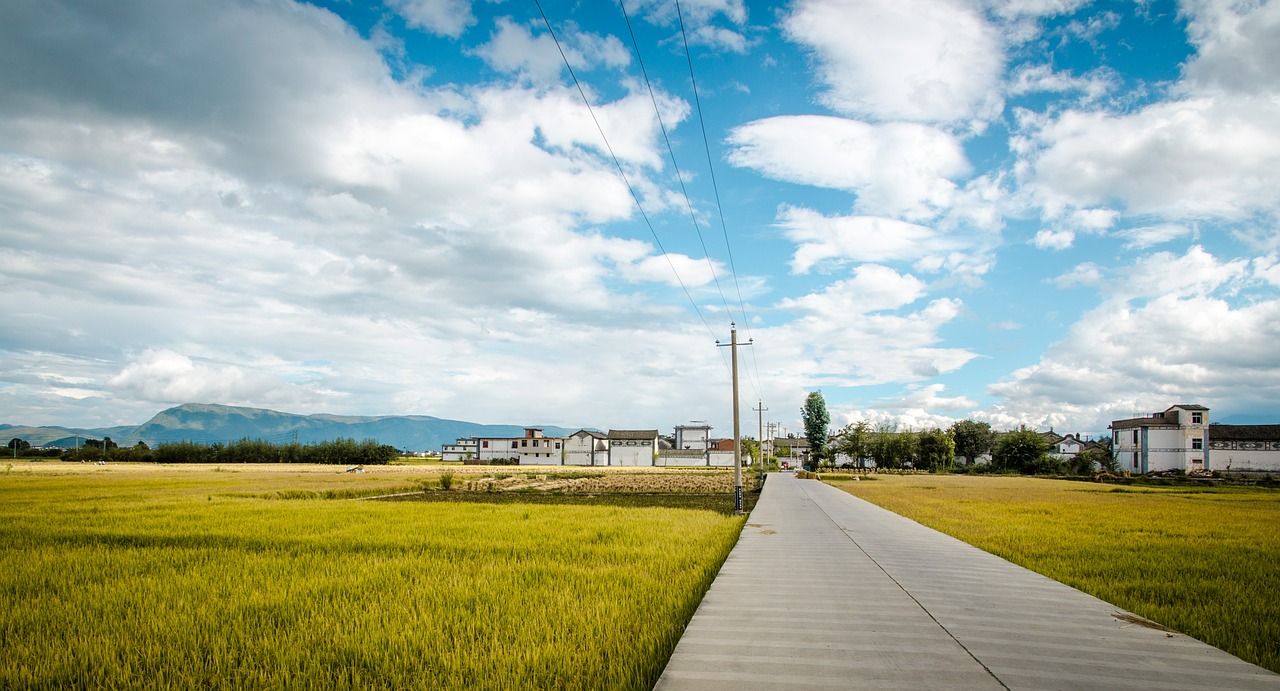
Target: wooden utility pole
{"points": [[737, 429], [760, 441]]}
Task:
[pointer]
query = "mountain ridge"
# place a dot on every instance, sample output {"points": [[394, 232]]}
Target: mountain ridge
{"points": [[212, 422]]}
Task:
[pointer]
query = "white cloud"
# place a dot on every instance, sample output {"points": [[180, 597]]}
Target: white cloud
{"points": [[896, 169], [1166, 332], [1238, 45], [839, 341], [1047, 239], [718, 24], [169, 377], [514, 48], [917, 60], [1149, 236], [1086, 274], [826, 239], [872, 288], [1182, 159], [1028, 79], [1211, 151], [441, 17]]}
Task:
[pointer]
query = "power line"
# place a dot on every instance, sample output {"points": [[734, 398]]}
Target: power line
{"points": [[733, 269], [671, 152], [618, 164]]}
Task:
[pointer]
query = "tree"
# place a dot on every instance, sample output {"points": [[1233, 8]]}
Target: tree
{"points": [[972, 439], [936, 450], [815, 417], [19, 444], [855, 442], [1024, 451]]}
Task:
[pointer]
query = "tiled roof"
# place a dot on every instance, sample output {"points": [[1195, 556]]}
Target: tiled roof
{"points": [[593, 433], [633, 434], [1244, 432]]}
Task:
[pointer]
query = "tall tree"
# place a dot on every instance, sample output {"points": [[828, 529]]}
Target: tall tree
{"points": [[855, 442], [815, 417], [972, 439], [936, 449], [1024, 451]]}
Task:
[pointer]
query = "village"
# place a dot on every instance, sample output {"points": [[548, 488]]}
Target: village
{"points": [[1179, 439]]}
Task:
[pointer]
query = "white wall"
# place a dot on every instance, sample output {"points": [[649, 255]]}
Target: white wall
{"points": [[631, 452]]}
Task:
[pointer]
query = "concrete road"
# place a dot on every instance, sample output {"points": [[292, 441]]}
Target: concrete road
{"points": [[902, 606]]}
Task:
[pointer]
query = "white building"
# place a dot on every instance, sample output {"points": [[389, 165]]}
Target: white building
{"points": [[464, 449], [531, 449], [1176, 439], [586, 447], [632, 447], [693, 437], [1245, 448]]}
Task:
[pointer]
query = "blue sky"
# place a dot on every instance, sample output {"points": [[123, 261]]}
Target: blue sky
{"points": [[1045, 212]]}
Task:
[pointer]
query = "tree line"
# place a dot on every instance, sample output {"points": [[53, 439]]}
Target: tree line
{"points": [[1019, 451], [334, 452], [935, 449]]}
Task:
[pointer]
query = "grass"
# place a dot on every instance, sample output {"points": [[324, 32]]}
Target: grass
{"points": [[145, 577], [1205, 562]]}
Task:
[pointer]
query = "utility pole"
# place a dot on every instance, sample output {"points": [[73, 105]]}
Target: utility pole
{"points": [[760, 442], [737, 430]]}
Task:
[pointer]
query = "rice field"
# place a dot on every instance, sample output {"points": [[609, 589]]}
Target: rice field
{"points": [[1206, 563], [154, 577]]}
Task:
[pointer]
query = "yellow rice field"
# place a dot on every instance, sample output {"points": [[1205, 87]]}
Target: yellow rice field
{"points": [[1203, 563], [180, 577]]}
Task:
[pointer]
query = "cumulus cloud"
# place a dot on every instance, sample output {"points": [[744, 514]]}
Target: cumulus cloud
{"points": [[718, 24], [166, 376], [895, 169], [441, 17], [1172, 329], [917, 60], [872, 288], [255, 240], [1182, 159], [515, 48], [1212, 150], [839, 239]]}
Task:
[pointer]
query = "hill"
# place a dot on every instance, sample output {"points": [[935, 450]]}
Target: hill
{"points": [[208, 423]]}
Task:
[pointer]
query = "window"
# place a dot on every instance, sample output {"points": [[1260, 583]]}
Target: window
{"points": [[557, 445], [513, 445], [1135, 438], [485, 444], [1197, 443], [1197, 419], [524, 442]]}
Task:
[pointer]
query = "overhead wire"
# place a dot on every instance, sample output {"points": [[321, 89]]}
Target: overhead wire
{"points": [[618, 164], [657, 111], [757, 384]]}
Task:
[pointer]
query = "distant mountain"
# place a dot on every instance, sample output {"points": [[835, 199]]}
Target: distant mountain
{"points": [[1249, 420], [207, 423]]}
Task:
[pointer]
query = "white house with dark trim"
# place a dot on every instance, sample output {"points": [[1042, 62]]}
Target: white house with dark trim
{"points": [[531, 449], [464, 449], [1177, 439], [1245, 448], [693, 437], [586, 447], [632, 447]]}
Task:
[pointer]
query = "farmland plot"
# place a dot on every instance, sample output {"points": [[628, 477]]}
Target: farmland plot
{"points": [[1206, 563], [170, 578]]}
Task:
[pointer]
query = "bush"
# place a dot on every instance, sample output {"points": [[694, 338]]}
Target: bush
{"points": [[446, 481]]}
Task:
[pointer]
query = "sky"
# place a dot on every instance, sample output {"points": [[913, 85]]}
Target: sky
{"points": [[1053, 213]]}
